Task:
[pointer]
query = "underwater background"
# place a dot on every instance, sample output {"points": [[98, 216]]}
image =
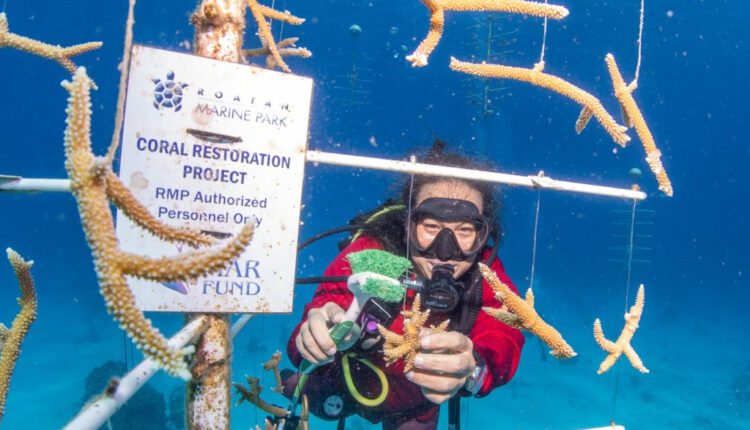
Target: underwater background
{"points": [[368, 100]]}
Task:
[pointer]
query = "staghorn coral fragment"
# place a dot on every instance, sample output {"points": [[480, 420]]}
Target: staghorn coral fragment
{"points": [[41, 49], [437, 22], [88, 181], [285, 47], [407, 345], [437, 19], [252, 395], [536, 76], [13, 337], [121, 196], [632, 115], [273, 364], [622, 345], [260, 13], [522, 315]]}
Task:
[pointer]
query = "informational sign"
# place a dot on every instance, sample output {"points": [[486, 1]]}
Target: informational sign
{"points": [[211, 146]]}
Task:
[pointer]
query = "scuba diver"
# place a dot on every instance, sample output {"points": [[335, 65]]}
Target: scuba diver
{"points": [[444, 226]]}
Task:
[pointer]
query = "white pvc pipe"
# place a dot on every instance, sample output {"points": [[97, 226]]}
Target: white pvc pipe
{"points": [[96, 414], [25, 185], [410, 167], [606, 428], [240, 324]]}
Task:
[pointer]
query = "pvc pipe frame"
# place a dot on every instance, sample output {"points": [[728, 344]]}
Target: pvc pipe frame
{"points": [[611, 427], [96, 414], [18, 184]]}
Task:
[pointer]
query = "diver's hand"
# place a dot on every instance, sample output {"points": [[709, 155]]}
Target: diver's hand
{"points": [[443, 366], [314, 342]]}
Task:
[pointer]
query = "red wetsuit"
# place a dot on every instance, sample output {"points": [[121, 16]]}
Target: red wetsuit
{"points": [[498, 344]]}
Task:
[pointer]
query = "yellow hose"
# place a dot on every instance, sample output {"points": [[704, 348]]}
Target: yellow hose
{"points": [[353, 390]]}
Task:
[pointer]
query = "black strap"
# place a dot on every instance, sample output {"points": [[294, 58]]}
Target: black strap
{"points": [[472, 303], [454, 413]]}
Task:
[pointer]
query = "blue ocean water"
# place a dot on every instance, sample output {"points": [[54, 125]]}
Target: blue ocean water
{"points": [[368, 100]]}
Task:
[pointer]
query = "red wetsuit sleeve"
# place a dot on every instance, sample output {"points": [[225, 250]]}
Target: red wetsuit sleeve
{"points": [[497, 343], [336, 292]]}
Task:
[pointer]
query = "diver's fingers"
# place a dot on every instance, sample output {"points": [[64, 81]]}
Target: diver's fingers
{"points": [[318, 324], [459, 365], [446, 341], [302, 350], [335, 313], [439, 384], [436, 397], [309, 344]]}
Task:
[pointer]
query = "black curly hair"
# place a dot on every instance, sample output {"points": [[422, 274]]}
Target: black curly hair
{"points": [[388, 226]]}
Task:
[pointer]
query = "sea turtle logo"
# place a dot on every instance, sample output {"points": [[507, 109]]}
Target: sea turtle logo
{"points": [[168, 93]]}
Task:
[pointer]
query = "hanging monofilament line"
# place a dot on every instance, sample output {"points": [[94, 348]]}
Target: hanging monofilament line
{"points": [[627, 293], [536, 229], [544, 39], [125, 350], [281, 25], [413, 159], [640, 43], [630, 255]]}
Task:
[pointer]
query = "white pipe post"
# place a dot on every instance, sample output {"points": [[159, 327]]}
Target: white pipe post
{"points": [[219, 31], [96, 414]]}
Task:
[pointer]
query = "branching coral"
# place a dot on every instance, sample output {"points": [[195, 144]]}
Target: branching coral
{"points": [[52, 52], [273, 365], [285, 48], [94, 185], [12, 338], [633, 118], [407, 345], [437, 18], [252, 395], [615, 349], [523, 316], [260, 13], [536, 76]]}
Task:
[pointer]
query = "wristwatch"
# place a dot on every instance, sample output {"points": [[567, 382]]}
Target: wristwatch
{"points": [[475, 381]]}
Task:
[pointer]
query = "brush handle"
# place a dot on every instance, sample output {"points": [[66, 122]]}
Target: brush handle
{"points": [[337, 333]]}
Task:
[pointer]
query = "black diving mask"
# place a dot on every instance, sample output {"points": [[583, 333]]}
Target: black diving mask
{"points": [[446, 245]]}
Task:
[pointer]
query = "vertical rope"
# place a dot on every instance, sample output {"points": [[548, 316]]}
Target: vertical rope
{"points": [[627, 293], [544, 39], [281, 25], [125, 349], [124, 71], [630, 254], [640, 44], [408, 220], [536, 230]]}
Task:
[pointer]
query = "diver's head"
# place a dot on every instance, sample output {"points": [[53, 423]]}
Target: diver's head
{"points": [[450, 218], [446, 227]]}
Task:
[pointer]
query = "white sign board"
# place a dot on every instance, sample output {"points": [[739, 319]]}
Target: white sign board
{"points": [[211, 145]]}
